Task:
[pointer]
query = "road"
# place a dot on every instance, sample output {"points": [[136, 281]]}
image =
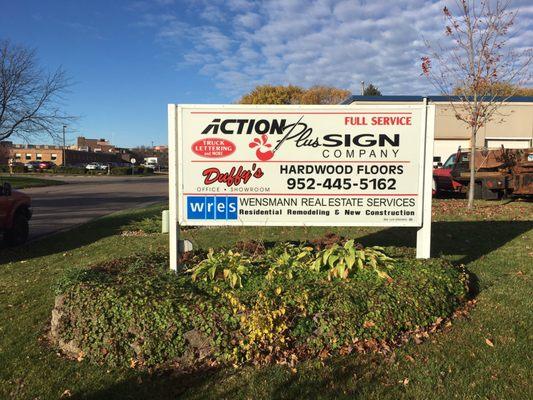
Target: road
{"points": [[57, 208]]}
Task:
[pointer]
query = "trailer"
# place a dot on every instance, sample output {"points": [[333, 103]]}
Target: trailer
{"points": [[499, 172]]}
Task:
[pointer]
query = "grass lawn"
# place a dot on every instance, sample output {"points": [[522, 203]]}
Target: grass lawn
{"points": [[487, 355], [23, 182]]}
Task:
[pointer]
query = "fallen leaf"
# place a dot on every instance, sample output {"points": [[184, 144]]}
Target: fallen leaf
{"points": [[489, 342], [368, 324], [66, 393]]}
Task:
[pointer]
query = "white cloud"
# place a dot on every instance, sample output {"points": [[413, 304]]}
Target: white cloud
{"points": [[242, 43]]}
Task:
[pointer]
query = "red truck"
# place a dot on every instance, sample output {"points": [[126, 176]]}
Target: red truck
{"points": [[499, 173], [15, 213], [442, 177]]}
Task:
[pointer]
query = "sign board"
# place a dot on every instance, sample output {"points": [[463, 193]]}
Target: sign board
{"points": [[363, 165]]}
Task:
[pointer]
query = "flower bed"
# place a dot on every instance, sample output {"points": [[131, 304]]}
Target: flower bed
{"points": [[252, 303]]}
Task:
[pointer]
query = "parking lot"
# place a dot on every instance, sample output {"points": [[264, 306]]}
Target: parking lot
{"points": [[57, 208]]}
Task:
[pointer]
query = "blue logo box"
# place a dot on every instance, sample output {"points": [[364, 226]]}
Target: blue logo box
{"points": [[212, 207]]}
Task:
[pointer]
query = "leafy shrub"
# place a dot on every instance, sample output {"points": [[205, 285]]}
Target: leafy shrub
{"points": [[134, 312], [341, 261], [285, 259], [224, 265]]}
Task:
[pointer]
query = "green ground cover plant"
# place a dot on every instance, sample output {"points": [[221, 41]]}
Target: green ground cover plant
{"points": [[288, 303]]}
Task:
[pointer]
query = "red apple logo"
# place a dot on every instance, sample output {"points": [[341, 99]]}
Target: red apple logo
{"points": [[262, 153]]}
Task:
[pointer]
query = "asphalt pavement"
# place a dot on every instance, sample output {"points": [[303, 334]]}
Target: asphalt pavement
{"points": [[57, 208]]}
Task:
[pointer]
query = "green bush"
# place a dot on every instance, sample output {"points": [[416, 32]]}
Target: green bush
{"points": [[128, 171], [134, 312], [17, 169], [68, 170]]}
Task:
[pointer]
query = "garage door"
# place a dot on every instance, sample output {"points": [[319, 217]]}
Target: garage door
{"points": [[442, 149], [508, 143]]}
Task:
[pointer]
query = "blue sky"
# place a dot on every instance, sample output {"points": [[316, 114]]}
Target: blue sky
{"points": [[128, 59]]}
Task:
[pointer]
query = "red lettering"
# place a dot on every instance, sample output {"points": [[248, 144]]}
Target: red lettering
{"points": [[234, 177]]}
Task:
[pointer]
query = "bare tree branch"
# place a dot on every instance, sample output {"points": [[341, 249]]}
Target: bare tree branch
{"points": [[29, 97]]}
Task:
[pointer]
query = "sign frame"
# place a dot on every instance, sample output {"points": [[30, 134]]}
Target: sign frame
{"points": [[176, 169]]}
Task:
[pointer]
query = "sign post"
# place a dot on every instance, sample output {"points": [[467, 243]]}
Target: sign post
{"points": [[133, 161], [423, 234], [262, 165]]}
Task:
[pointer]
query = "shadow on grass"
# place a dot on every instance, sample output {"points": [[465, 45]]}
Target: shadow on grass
{"points": [[312, 381], [77, 237], [469, 240]]}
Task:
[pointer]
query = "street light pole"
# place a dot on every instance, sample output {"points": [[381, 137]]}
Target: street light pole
{"points": [[64, 152]]}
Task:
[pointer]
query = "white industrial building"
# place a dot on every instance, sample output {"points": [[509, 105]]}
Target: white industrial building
{"points": [[511, 127]]}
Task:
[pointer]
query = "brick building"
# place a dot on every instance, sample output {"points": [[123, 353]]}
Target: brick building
{"points": [[26, 153], [95, 145]]}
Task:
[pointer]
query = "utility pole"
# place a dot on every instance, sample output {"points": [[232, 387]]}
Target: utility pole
{"points": [[362, 88], [64, 152]]}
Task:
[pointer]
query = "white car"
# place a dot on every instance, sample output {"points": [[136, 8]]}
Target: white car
{"points": [[153, 166], [95, 166]]}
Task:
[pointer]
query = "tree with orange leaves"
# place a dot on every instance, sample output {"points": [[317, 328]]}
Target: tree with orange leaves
{"points": [[475, 63]]}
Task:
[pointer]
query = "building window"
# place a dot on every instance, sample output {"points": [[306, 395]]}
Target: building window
{"points": [[54, 157], [38, 156], [28, 156], [18, 156]]}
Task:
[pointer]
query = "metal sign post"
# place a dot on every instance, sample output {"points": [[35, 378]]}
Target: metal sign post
{"points": [[173, 155], [265, 165], [423, 234]]}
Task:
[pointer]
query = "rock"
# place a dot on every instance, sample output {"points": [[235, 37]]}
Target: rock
{"points": [[57, 313], [70, 348], [198, 348]]}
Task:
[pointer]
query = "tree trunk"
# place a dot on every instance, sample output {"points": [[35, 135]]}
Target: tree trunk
{"points": [[472, 169]]}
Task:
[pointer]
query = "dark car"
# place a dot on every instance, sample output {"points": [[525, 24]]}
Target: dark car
{"points": [[32, 165]]}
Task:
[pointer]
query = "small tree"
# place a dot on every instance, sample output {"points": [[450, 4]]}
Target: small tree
{"points": [[29, 97], [268, 94], [323, 95], [371, 90], [475, 63]]}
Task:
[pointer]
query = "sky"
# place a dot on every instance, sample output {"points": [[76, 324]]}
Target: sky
{"points": [[129, 59]]}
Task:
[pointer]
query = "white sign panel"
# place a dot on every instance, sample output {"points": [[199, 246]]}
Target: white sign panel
{"points": [[344, 165]]}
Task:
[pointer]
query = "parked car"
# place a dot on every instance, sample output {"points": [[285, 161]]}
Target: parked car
{"points": [[32, 166], [150, 165], [15, 213], [46, 165], [96, 166]]}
